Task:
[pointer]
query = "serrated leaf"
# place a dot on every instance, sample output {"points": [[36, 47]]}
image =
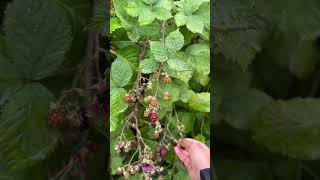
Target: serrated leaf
{"points": [[99, 20], [117, 103], [200, 102], [195, 24], [129, 54], [303, 59], [179, 64], [114, 24], [38, 35], [188, 120], [158, 51], [21, 122], [240, 46], [121, 72], [186, 94], [304, 27], [240, 108], [233, 169], [113, 123], [174, 41], [148, 66], [199, 57], [133, 8], [195, 21], [8, 70], [150, 1], [162, 13], [290, 128], [180, 19], [146, 16]]}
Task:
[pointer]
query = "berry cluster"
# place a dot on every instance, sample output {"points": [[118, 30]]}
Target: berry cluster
{"points": [[162, 151], [128, 170], [125, 146], [152, 109], [167, 79], [130, 98]]}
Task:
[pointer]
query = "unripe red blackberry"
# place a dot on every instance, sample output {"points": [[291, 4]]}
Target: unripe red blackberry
{"points": [[162, 151], [56, 116], [153, 117], [154, 103], [127, 98], [167, 79], [148, 98], [166, 95]]}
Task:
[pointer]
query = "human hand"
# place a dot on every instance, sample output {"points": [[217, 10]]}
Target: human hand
{"points": [[194, 155]]}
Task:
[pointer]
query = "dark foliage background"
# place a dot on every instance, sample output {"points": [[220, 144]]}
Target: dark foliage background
{"points": [[53, 66], [266, 89]]}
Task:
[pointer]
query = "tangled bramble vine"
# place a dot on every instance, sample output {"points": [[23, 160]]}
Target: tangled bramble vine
{"points": [[145, 162]]}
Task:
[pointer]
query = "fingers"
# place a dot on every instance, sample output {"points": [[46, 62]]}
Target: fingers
{"points": [[183, 156], [190, 144], [186, 143]]}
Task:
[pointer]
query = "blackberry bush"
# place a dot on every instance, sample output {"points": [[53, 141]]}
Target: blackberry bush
{"points": [[161, 56]]}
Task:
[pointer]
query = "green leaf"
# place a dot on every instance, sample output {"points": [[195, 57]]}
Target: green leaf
{"points": [[121, 72], [115, 162], [117, 103], [304, 27], [150, 1], [200, 102], [180, 19], [200, 138], [290, 128], [303, 59], [182, 173], [148, 66], [146, 16], [114, 24], [38, 35], [133, 8], [21, 122], [129, 54], [162, 14], [188, 120], [229, 169], [179, 64], [286, 169], [195, 24], [8, 70], [199, 57], [240, 46], [174, 41], [190, 15], [159, 51], [186, 94], [113, 123], [240, 108], [99, 20]]}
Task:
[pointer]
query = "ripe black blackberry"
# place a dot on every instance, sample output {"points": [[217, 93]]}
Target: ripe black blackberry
{"points": [[164, 172]]}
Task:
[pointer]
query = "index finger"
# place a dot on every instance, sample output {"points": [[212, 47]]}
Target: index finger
{"points": [[187, 143]]}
